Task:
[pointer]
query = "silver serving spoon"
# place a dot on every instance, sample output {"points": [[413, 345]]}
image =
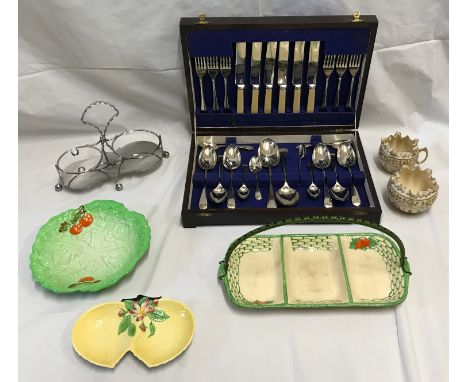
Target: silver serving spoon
{"points": [[346, 157], [338, 192], [286, 195], [302, 153], [269, 157], [313, 191], [206, 160], [321, 159], [255, 166], [218, 194], [231, 161], [243, 192]]}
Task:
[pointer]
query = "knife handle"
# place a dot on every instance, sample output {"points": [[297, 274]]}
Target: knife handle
{"points": [[297, 100], [240, 100], [254, 107], [268, 93], [311, 99], [282, 100]]}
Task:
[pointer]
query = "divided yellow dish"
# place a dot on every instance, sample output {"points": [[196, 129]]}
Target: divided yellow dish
{"points": [[155, 331]]}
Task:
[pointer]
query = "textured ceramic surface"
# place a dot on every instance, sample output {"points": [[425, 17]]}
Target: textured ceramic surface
{"points": [[155, 331], [412, 189], [68, 257], [396, 151], [316, 271]]}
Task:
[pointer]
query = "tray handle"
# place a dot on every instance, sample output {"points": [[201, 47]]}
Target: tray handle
{"points": [[223, 265]]}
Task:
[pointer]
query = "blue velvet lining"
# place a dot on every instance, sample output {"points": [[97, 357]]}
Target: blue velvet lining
{"points": [[292, 162], [222, 43]]}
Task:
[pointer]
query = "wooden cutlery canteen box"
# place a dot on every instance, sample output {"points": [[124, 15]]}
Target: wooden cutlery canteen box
{"points": [[299, 82]]}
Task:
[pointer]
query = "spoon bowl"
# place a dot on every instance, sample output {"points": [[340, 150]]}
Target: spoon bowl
{"points": [[207, 160], [345, 154], [321, 159], [268, 152], [312, 191], [243, 192], [255, 166], [231, 161], [286, 195], [218, 194]]}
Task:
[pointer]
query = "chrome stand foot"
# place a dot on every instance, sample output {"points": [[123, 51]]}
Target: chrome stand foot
{"points": [[118, 186], [58, 187]]}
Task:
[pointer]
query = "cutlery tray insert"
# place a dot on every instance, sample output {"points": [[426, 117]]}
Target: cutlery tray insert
{"points": [[217, 39], [292, 163], [315, 270]]}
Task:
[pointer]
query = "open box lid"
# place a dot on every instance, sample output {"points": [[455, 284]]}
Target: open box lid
{"points": [[217, 37]]}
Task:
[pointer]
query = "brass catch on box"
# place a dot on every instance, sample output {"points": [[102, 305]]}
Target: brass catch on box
{"points": [[357, 17], [202, 19]]}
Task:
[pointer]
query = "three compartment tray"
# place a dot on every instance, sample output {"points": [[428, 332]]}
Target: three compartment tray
{"points": [[363, 269]]}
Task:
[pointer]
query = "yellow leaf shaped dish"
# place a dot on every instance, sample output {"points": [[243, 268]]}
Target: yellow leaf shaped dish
{"points": [[155, 330]]}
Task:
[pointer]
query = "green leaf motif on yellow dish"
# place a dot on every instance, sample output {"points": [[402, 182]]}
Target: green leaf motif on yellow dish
{"points": [[145, 309]]}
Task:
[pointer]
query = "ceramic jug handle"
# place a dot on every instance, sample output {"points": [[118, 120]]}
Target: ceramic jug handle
{"points": [[425, 156]]}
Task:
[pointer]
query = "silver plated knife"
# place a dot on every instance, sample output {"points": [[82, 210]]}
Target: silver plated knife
{"points": [[269, 78], [240, 75], [297, 74], [255, 74], [283, 74], [312, 74]]}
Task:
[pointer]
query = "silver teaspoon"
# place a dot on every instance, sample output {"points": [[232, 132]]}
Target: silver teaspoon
{"points": [[255, 166], [206, 160], [338, 192], [243, 192], [231, 161], [218, 194], [346, 157], [269, 157], [321, 159], [313, 191], [302, 153]]}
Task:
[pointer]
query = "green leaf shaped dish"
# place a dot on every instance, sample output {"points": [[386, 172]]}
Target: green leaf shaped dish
{"points": [[89, 248]]}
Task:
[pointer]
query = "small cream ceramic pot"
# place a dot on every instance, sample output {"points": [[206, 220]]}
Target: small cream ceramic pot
{"points": [[412, 189], [396, 151]]}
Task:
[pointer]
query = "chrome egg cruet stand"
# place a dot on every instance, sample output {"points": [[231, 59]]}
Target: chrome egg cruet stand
{"points": [[132, 151]]}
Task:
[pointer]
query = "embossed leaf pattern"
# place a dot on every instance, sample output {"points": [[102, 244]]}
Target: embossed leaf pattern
{"points": [[108, 249]]}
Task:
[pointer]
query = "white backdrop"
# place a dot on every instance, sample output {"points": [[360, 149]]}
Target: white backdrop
{"points": [[127, 52]]}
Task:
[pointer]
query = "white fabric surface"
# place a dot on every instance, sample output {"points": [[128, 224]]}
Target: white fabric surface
{"points": [[127, 52]]}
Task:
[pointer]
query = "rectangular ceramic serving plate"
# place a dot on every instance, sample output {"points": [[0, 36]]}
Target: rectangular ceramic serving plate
{"points": [[315, 271]]}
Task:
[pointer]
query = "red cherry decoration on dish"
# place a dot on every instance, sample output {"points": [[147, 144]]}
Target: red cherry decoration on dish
{"points": [[86, 279], [76, 229], [86, 220]]}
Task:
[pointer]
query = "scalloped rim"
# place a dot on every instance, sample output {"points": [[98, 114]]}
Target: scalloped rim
{"points": [[187, 309], [397, 136], [144, 245], [423, 194]]}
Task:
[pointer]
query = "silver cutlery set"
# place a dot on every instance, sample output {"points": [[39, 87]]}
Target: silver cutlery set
{"points": [[269, 156], [277, 55], [213, 66]]}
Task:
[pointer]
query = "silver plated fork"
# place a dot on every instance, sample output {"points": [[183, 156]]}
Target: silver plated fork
{"points": [[225, 68], [328, 68], [200, 68], [341, 67], [354, 66], [213, 69]]}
